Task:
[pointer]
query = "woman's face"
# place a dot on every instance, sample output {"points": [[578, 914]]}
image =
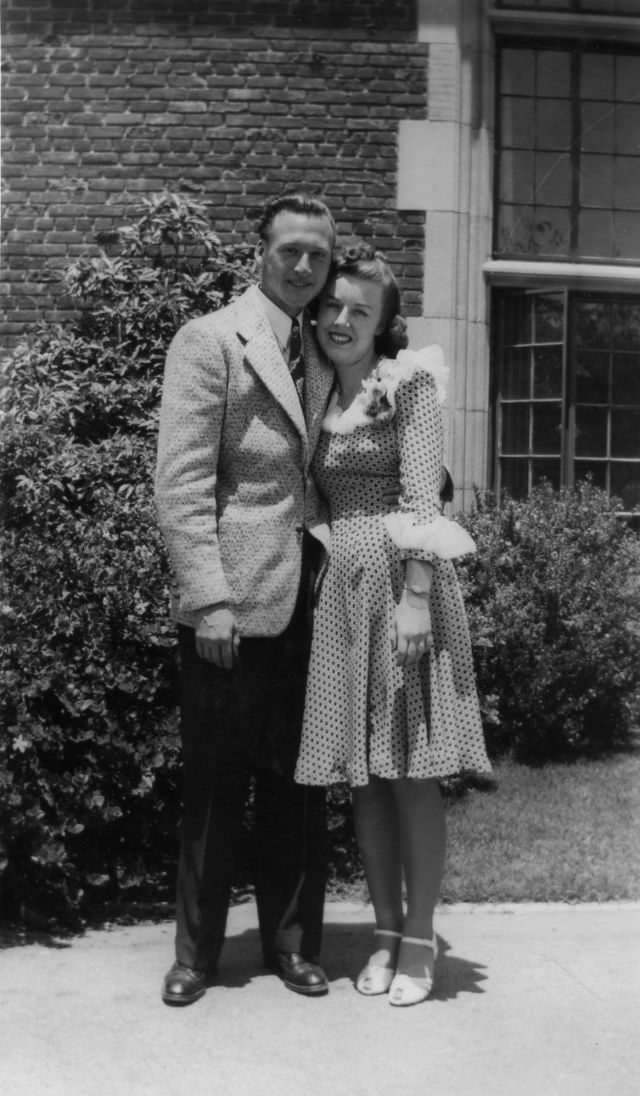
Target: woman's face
{"points": [[349, 318]]}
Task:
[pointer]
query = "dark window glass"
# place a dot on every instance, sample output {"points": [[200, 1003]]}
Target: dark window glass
{"points": [[591, 431], [517, 122], [552, 178], [625, 387], [515, 477], [515, 428], [568, 153], [625, 483], [542, 231], [516, 320], [592, 7], [553, 124], [553, 73], [546, 470], [626, 78], [546, 428], [516, 374], [625, 431], [593, 324], [626, 232], [592, 376], [625, 326], [568, 390], [517, 179], [596, 180], [547, 373], [596, 471], [596, 233], [597, 127], [597, 77], [548, 317], [626, 180], [627, 119], [518, 71]]}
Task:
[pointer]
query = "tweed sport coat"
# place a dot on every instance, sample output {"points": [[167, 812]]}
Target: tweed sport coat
{"points": [[233, 491]]}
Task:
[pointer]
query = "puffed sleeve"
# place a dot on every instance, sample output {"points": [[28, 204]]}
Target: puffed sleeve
{"points": [[418, 527]]}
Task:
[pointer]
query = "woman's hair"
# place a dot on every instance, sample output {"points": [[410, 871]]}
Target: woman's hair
{"points": [[361, 260]]}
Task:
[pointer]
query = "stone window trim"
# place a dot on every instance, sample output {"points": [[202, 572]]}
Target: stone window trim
{"points": [[569, 24]]}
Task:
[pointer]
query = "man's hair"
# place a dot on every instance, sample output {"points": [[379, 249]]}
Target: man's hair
{"points": [[296, 201]]}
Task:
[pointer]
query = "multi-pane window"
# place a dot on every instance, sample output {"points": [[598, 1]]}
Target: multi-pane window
{"points": [[568, 152], [568, 390]]}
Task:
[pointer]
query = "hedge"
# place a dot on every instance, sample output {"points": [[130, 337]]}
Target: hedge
{"points": [[89, 761]]}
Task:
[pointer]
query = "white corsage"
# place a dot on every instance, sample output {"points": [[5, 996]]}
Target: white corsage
{"points": [[442, 537], [375, 403]]}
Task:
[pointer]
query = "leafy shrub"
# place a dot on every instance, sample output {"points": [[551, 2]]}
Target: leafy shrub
{"points": [[88, 728], [553, 597]]}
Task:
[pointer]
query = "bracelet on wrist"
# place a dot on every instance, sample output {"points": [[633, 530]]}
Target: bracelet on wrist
{"points": [[418, 593]]}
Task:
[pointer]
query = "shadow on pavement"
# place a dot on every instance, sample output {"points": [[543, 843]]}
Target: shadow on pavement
{"points": [[344, 953], [11, 937]]}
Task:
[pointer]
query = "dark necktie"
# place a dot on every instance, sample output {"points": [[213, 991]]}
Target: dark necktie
{"points": [[296, 361]]}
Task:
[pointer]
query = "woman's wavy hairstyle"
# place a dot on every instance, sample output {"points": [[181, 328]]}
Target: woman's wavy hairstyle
{"points": [[360, 260]]}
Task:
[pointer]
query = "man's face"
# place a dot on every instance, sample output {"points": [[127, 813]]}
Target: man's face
{"points": [[295, 259]]}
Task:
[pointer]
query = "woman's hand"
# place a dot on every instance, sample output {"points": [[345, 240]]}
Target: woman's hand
{"points": [[412, 628]]}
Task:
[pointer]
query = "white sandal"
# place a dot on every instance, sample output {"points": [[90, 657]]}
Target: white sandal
{"points": [[375, 978], [407, 990]]}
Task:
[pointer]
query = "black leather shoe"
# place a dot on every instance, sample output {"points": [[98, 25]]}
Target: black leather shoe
{"points": [[300, 974], [183, 985]]}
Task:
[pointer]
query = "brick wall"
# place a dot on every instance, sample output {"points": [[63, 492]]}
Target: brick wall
{"points": [[106, 101]]}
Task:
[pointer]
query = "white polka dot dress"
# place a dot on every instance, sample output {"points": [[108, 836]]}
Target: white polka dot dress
{"points": [[364, 714]]}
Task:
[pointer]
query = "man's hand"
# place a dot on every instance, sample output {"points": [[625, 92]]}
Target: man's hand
{"points": [[217, 636], [391, 496]]}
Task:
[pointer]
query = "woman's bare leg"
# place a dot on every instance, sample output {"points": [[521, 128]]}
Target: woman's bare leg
{"points": [[375, 819], [422, 837]]}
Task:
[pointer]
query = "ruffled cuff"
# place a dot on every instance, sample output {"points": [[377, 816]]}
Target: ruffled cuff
{"points": [[441, 537]]}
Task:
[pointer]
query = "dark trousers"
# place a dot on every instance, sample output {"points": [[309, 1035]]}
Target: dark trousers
{"points": [[242, 728]]}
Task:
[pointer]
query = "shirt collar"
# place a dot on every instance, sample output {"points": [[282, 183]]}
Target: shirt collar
{"points": [[280, 322]]}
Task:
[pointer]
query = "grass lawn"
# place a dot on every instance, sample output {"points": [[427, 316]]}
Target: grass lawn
{"points": [[560, 833]]}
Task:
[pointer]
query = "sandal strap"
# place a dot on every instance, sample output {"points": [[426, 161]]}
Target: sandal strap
{"points": [[417, 940], [388, 932]]}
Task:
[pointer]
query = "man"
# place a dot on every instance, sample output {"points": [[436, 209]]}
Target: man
{"points": [[237, 433]]}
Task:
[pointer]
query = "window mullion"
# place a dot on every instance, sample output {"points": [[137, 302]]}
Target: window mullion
{"points": [[576, 142], [568, 394]]}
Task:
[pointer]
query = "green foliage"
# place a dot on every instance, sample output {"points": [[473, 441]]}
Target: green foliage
{"points": [[553, 597], [88, 729]]}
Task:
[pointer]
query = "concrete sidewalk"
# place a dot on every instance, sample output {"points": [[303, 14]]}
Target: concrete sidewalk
{"points": [[530, 1001]]}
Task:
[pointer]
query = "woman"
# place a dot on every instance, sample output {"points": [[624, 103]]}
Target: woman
{"points": [[391, 701]]}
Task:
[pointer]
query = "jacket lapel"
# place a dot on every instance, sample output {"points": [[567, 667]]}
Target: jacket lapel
{"points": [[318, 381], [265, 357]]}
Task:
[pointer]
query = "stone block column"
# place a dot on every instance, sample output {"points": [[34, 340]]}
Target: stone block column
{"points": [[445, 171]]}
